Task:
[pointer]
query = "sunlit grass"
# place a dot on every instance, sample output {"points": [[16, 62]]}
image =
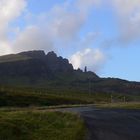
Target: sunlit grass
{"points": [[127, 105], [37, 125]]}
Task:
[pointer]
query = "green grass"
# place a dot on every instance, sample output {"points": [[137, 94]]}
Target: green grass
{"points": [[26, 97], [13, 57], [23, 99], [130, 105], [37, 125]]}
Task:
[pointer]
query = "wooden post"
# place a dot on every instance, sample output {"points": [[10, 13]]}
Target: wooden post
{"points": [[111, 99], [89, 86], [124, 99]]}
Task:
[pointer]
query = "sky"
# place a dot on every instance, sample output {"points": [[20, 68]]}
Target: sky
{"points": [[103, 35]]}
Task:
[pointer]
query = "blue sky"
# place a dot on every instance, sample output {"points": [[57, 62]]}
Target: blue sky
{"points": [[104, 36]]}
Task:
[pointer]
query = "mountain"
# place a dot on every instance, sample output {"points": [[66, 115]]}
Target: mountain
{"points": [[35, 66], [37, 69]]}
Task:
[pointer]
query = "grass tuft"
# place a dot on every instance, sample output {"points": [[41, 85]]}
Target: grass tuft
{"points": [[37, 125]]}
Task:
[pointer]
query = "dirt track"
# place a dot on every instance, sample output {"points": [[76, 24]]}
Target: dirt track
{"points": [[110, 124]]}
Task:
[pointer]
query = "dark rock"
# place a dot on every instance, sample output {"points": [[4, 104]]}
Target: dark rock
{"points": [[58, 64], [34, 67]]}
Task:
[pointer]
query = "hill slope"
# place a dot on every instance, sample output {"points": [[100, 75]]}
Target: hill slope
{"points": [[37, 69]]}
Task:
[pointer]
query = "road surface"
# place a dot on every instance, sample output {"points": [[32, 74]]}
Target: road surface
{"points": [[110, 124]]}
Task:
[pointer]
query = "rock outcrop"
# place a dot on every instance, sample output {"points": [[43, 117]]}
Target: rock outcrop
{"points": [[58, 64], [35, 68], [33, 64]]}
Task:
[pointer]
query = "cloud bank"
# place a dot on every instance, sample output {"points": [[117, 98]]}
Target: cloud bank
{"points": [[92, 58], [62, 25], [10, 10], [32, 38], [128, 12]]}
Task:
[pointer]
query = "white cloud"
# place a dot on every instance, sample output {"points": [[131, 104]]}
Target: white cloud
{"points": [[126, 7], [64, 24], [65, 21], [31, 38], [85, 5], [9, 10], [128, 12], [61, 24], [92, 58], [4, 47]]}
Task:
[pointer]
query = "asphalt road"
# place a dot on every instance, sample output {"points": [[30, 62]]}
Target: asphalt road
{"points": [[110, 124]]}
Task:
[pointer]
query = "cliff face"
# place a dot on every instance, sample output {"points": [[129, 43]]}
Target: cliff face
{"points": [[57, 64], [35, 68], [33, 64]]}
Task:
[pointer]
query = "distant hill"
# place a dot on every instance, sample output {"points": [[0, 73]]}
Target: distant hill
{"points": [[37, 69]]}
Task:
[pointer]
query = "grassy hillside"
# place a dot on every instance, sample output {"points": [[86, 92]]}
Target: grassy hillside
{"points": [[13, 57], [24, 97], [41, 97], [35, 125], [37, 69]]}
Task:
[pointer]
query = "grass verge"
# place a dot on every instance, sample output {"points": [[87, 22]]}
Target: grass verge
{"points": [[129, 105], [40, 125]]}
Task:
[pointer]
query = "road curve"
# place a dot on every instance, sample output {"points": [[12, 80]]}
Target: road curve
{"points": [[110, 124]]}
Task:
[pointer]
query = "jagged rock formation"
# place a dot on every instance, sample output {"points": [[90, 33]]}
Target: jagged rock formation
{"points": [[58, 64], [35, 68], [35, 65]]}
